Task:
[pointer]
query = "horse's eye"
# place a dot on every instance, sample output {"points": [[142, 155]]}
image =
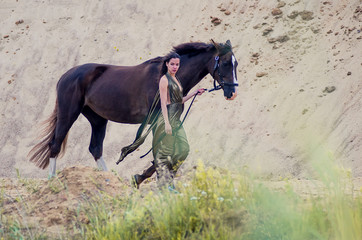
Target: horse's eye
{"points": [[225, 64]]}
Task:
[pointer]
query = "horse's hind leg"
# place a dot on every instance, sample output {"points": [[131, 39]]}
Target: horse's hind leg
{"points": [[67, 114], [99, 126], [52, 167]]}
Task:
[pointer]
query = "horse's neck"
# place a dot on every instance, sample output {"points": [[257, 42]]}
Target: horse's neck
{"points": [[191, 78]]}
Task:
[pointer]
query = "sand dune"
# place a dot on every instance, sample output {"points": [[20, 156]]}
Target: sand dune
{"points": [[299, 71]]}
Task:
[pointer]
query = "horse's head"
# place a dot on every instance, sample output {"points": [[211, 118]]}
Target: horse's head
{"points": [[224, 71]]}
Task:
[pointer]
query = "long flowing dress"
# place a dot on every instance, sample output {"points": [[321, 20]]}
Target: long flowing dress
{"points": [[169, 151]]}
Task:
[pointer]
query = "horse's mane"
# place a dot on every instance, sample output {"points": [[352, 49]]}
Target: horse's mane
{"points": [[185, 49], [194, 48]]}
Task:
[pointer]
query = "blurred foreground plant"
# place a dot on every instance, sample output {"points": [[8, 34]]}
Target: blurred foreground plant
{"points": [[208, 207]]}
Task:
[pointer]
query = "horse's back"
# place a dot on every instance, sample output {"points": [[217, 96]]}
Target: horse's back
{"points": [[118, 93]]}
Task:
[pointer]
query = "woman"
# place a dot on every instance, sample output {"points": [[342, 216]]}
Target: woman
{"points": [[170, 147], [171, 150]]}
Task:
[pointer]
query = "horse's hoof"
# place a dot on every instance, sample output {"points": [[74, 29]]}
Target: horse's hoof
{"points": [[50, 176]]}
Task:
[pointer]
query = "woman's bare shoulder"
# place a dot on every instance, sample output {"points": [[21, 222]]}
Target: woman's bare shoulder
{"points": [[164, 77], [164, 80]]}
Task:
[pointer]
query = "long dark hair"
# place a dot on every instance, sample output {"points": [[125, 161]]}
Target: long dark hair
{"points": [[167, 59]]}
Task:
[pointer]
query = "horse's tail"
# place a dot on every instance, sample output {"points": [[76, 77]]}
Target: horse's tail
{"points": [[40, 153]]}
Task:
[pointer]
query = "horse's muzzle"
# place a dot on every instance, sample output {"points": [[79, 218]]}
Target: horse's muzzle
{"points": [[234, 94], [230, 93]]}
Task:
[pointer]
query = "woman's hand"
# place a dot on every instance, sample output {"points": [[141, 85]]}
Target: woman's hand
{"points": [[168, 128], [192, 94], [200, 91]]}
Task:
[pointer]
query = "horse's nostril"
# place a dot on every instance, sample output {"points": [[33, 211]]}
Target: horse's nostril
{"points": [[232, 96]]}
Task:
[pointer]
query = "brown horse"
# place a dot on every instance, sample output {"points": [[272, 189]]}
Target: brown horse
{"points": [[124, 94]]}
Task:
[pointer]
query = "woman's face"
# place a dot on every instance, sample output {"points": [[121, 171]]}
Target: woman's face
{"points": [[173, 65]]}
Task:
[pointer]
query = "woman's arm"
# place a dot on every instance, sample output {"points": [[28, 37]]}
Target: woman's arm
{"points": [[163, 96], [190, 95]]}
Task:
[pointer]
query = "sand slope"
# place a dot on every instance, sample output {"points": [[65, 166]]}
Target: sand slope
{"points": [[309, 97]]}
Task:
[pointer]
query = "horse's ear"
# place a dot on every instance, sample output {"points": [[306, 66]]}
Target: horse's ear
{"points": [[228, 43], [217, 46]]}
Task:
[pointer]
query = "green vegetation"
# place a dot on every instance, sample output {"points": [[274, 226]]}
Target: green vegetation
{"points": [[208, 207], [214, 204], [32, 186]]}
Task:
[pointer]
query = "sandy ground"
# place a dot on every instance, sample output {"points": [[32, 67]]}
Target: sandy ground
{"points": [[300, 93]]}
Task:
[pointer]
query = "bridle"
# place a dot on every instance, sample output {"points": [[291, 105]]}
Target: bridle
{"points": [[221, 83]]}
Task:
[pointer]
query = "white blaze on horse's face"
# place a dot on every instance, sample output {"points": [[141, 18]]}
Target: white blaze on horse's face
{"points": [[234, 68], [235, 80]]}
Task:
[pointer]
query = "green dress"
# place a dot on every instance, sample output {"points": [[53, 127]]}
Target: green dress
{"points": [[169, 151]]}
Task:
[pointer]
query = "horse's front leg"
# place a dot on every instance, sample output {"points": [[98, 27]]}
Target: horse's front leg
{"points": [[99, 126]]}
